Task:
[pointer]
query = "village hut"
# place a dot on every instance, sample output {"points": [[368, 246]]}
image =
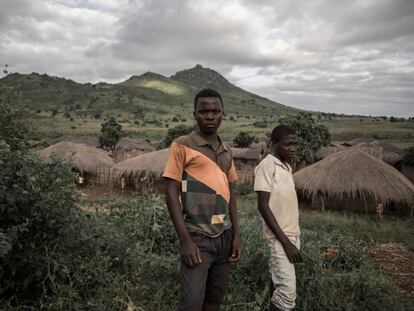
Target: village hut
{"points": [[323, 152], [245, 160], [87, 140], [91, 163], [248, 156], [386, 152], [354, 179], [408, 171], [127, 148], [142, 169]]}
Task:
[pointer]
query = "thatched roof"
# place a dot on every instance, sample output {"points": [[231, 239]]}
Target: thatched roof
{"points": [[323, 152], [87, 140], [381, 151], [245, 153], [128, 144], [152, 163], [86, 159], [357, 141], [355, 174]]}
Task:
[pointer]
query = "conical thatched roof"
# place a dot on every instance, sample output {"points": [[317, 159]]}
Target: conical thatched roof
{"points": [[245, 153], [87, 140], [382, 151], [152, 163], [355, 174], [85, 159], [127, 144], [323, 152]]}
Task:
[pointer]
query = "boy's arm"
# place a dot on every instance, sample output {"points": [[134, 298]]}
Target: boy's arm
{"points": [[236, 243], [189, 251], [292, 252]]}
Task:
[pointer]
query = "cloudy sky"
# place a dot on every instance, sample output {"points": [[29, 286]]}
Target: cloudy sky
{"points": [[354, 56]]}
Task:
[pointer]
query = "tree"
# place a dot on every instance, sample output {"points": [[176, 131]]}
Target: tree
{"points": [[244, 140], [111, 132], [408, 156], [311, 136], [175, 132], [13, 130]]}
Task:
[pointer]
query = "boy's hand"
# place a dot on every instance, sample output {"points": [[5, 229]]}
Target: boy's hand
{"points": [[293, 254], [235, 249], [190, 253]]}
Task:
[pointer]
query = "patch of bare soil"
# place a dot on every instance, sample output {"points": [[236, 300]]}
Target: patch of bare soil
{"points": [[397, 262]]}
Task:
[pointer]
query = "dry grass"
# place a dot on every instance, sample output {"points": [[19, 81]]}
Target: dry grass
{"points": [[355, 174], [85, 159]]}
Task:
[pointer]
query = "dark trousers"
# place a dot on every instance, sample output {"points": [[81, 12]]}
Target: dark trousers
{"points": [[206, 282]]}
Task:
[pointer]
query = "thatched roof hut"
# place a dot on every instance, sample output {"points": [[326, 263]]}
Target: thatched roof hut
{"points": [[246, 153], [127, 148], [323, 152], [92, 141], [128, 144], [386, 152], [85, 159], [354, 174], [152, 164]]}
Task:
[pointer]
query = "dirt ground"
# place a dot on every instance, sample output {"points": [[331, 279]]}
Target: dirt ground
{"points": [[397, 262]]}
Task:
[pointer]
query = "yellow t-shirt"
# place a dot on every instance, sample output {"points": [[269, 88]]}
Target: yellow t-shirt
{"points": [[274, 177]]}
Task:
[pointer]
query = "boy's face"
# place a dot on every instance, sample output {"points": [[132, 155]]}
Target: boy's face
{"points": [[286, 147], [208, 114]]}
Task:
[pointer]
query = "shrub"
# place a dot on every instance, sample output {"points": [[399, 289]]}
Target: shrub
{"points": [[260, 124], [408, 156], [175, 132], [311, 136], [111, 133], [244, 140]]}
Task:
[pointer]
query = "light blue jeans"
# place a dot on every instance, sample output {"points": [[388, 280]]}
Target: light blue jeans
{"points": [[283, 275]]}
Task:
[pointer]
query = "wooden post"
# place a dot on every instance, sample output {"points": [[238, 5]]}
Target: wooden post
{"points": [[322, 202]]}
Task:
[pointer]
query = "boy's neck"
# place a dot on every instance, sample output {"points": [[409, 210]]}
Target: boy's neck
{"points": [[211, 138], [276, 155]]}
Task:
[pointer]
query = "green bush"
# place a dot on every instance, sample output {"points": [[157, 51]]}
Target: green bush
{"points": [[175, 132], [244, 140]]}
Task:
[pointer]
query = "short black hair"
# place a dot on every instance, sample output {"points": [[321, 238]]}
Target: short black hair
{"points": [[207, 93], [280, 132]]}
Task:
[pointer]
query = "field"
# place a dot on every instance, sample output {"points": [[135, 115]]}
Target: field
{"points": [[342, 129], [142, 255]]}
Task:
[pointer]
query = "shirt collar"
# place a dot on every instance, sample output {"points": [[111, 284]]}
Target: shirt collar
{"points": [[201, 141], [279, 163]]}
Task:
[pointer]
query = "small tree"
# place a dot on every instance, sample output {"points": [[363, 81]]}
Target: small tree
{"points": [[408, 156], [111, 132], [175, 132], [244, 140], [311, 135]]}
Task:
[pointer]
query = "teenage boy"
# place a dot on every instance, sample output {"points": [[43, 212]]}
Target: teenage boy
{"points": [[200, 172], [278, 205]]}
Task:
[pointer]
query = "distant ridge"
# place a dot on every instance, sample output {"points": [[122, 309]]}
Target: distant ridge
{"points": [[202, 78], [148, 92]]}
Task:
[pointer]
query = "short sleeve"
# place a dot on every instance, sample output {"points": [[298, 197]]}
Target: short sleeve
{"points": [[175, 163], [263, 177], [232, 175]]}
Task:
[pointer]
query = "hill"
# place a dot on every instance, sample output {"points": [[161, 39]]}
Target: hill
{"points": [[147, 105], [149, 92]]}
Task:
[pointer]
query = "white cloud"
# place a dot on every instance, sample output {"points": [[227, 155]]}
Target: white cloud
{"points": [[347, 56]]}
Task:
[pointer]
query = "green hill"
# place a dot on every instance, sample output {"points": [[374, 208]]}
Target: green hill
{"points": [[149, 92], [148, 104]]}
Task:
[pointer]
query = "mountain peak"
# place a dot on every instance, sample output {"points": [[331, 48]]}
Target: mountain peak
{"points": [[202, 77]]}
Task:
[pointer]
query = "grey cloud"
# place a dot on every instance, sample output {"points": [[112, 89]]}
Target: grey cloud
{"points": [[345, 56]]}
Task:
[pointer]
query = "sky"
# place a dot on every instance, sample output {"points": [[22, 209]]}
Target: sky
{"points": [[353, 57]]}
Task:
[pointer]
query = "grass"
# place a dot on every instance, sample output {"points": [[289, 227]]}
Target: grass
{"points": [[399, 133], [136, 263]]}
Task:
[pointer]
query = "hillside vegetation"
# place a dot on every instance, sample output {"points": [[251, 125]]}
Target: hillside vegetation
{"points": [[148, 104]]}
